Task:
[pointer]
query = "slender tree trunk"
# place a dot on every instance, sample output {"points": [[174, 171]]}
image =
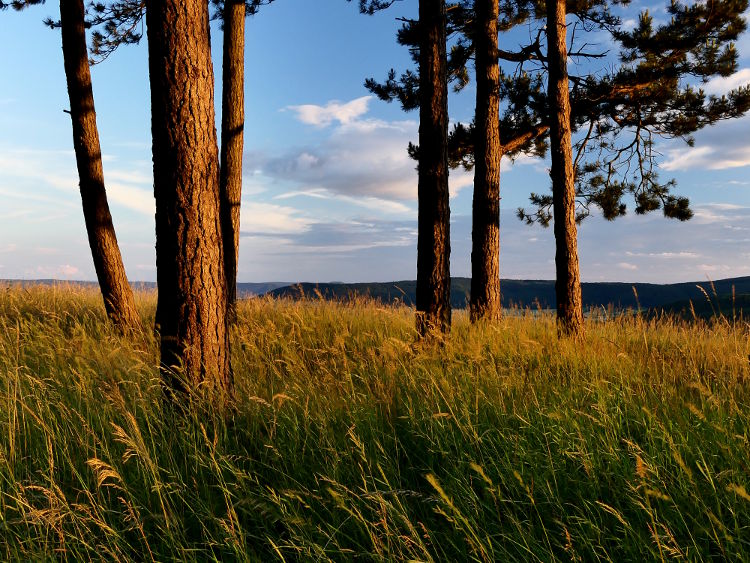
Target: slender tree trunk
{"points": [[485, 234], [191, 308], [433, 246], [113, 282], [568, 281], [232, 125]]}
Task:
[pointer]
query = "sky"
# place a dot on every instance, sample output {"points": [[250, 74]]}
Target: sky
{"points": [[329, 192]]}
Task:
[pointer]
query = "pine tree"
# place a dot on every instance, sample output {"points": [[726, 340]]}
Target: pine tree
{"points": [[433, 244], [191, 307], [482, 145], [232, 14], [433, 238], [232, 126], [618, 114], [118, 24], [568, 278], [484, 300], [649, 96], [110, 271], [19, 5], [117, 294]]}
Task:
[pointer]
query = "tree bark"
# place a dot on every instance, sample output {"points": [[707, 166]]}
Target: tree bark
{"points": [[191, 308], [485, 234], [433, 245], [110, 271], [568, 280], [232, 126]]}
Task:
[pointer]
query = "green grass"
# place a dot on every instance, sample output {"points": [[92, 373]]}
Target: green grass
{"points": [[348, 440]]}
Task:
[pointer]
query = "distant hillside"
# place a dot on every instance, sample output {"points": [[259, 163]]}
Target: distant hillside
{"points": [[723, 305], [530, 293], [243, 289], [246, 289], [673, 298]]}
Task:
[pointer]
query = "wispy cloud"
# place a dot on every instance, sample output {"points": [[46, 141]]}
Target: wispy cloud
{"points": [[719, 147], [373, 203], [723, 84], [323, 116], [321, 239], [663, 255], [359, 157], [61, 271], [258, 218], [131, 197]]}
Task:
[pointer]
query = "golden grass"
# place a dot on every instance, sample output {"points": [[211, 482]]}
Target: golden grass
{"points": [[350, 439]]}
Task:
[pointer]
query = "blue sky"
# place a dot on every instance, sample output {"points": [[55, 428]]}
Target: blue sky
{"points": [[329, 192]]}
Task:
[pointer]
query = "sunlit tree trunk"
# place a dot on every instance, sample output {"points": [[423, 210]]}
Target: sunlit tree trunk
{"points": [[232, 125], [485, 234], [568, 280], [191, 308], [433, 246], [110, 271]]}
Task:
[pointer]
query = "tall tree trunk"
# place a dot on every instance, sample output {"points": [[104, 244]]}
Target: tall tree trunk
{"points": [[568, 281], [113, 282], [433, 246], [191, 308], [232, 125], [485, 234]]}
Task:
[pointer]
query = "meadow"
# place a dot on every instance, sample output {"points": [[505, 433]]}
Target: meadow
{"points": [[349, 440]]}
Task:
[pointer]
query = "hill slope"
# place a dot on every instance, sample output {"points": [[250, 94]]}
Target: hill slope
{"points": [[244, 289], [531, 293], [674, 297]]}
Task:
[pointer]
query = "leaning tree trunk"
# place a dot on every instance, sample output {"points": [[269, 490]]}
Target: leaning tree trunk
{"points": [[485, 234], [568, 281], [191, 308], [117, 293], [433, 245], [232, 125]]}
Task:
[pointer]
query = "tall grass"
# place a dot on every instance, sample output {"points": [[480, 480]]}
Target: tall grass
{"points": [[349, 440]]}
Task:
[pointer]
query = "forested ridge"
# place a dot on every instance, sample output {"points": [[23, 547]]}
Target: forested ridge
{"points": [[535, 293]]}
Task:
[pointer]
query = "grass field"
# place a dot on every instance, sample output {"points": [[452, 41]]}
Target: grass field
{"points": [[349, 441]]}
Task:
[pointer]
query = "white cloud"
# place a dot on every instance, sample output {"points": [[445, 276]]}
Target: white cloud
{"points": [[318, 193], [62, 271], [684, 158], [718, 213], [718, 147], [132, 197], [661, 255], [55, 169], [726, 206], [723, 84], [338, 238], [715, 268], [372, 203], [627, 266], [128, 176], [360, 158], [66, 270], [269, 219], [323, 116]]}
